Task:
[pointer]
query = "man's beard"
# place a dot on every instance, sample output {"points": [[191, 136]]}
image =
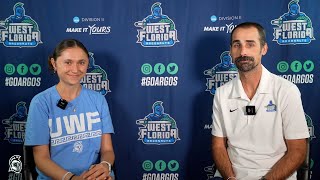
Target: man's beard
{"points": [[247, 66]]}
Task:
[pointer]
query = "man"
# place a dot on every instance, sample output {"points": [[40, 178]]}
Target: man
{"points": [[259, 128]]}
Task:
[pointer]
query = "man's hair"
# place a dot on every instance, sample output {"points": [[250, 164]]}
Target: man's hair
{"points": [[261, 31]]}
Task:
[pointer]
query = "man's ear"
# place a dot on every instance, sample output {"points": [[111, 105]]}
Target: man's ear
{"points": [[264, 49]]}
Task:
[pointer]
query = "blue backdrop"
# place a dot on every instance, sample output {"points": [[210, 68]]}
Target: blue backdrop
{"points": [[138, 61]]}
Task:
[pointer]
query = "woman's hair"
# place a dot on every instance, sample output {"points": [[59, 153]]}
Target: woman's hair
{"points": [[63, 45]]}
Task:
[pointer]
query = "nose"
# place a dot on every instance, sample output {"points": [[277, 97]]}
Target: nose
{"points": [[243, 51], [74, 68]]}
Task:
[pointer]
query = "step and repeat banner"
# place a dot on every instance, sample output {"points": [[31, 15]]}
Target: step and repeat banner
{"points": [[147, 55]]}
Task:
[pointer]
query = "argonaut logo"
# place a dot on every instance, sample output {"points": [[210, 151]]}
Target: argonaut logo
{"points": [[293, 27], [15, 168], [212, 173], [20, 30], [157, 29], [310, 126], [158, 127], [221, 73], [15, 124], [96, 77]]}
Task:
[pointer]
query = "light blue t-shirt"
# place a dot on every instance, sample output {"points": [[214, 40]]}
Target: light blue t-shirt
{"points": [[73, 134]]}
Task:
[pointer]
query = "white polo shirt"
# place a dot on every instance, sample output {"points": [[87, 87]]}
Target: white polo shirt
{"points": [[257, 142]]}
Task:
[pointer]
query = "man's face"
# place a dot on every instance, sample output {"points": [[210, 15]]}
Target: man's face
{"points": [[246, 50]]}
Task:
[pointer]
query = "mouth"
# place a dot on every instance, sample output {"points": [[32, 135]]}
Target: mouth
{"points": [[74, 75], [244, 59]]}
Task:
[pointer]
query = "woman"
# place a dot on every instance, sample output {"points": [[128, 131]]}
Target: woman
{"points": [[68, 125]]}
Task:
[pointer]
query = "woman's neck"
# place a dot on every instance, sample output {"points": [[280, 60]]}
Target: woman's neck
{"points": [[68, 93]]}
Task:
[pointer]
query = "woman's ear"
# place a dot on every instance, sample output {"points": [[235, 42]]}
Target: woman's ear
{"points": [[53, 63]]}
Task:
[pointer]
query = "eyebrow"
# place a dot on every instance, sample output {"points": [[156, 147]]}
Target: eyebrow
{"points": [[75, 59], [238, 41]]}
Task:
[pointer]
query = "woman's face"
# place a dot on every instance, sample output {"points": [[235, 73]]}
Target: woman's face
{"points": [[71, 66]]}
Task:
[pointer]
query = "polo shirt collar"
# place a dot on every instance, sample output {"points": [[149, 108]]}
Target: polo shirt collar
{"points": [[264, 85]]}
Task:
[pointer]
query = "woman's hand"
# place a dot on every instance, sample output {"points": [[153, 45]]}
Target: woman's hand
{"points": [[97, 172]]}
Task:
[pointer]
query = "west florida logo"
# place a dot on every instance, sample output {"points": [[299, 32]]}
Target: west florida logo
{"points": [[158, 127], [15, 129], [19, 30], [310, 126], [157, 29], [77, 147], [96, 78], [212, 173], [271, 107], [220, 73], [293, 27]]}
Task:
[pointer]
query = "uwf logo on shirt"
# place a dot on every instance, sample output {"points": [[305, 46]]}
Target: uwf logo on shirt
{"points": [[20, 30], [96, 78], [77, 127], [157, 29], [158, 127], [293, 27], [221, 73]]}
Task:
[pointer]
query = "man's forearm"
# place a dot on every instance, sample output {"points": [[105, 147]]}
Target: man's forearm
{"points": [[221, 159], [288, 164], [223, 163]]}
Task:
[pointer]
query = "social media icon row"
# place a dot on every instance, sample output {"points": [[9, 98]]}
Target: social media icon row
{"points": [[295, 66], [159, 68], [22, 69], [160, 165]]}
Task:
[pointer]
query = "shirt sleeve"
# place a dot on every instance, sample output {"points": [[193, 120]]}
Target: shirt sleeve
{"points": [[217, 118], [107, 126], [37, 129], [294, 121]]}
